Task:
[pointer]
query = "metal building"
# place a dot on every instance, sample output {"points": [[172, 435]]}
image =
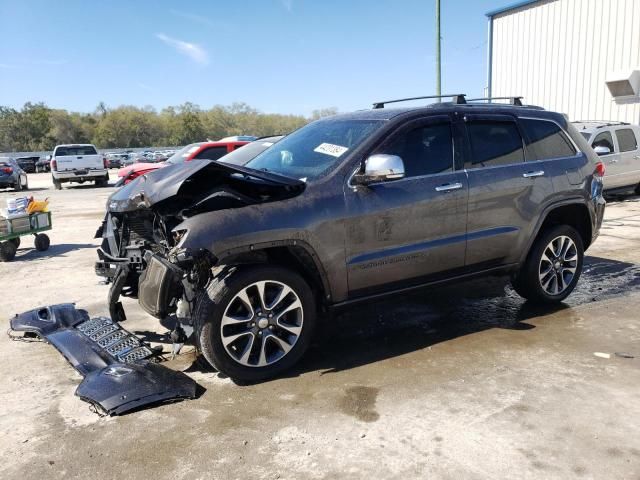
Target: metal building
{"points": [[579, 57]]}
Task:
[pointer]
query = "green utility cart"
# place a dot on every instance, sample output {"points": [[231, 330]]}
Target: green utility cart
{"points": [[11, 229]]}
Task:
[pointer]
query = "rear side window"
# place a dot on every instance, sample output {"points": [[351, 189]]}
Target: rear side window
{"points": [[81, 150], [603, 139], [424, 150], [212, 153], [546, 140], [626, 140], [494, 143]]}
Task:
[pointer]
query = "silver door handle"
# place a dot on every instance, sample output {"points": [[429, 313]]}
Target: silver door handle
{"points": [[537, 173], [448, 187], [613, 160]]}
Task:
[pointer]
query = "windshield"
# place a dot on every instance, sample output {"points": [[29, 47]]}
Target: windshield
{"points": [[315, 149], [244, 154], [181, 155]]}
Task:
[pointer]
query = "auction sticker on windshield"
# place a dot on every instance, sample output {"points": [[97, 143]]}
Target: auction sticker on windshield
{"points": [[330, 149]]}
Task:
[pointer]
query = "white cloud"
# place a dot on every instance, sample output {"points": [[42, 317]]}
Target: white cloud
{"points": [[287, 4], [194, 18], [191, 50]]}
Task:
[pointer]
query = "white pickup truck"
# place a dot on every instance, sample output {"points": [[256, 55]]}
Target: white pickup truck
{"points": [[79, 164]]}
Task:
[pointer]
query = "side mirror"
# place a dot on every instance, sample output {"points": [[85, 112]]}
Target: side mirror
{"points": [[380, 168], [602, 150]]}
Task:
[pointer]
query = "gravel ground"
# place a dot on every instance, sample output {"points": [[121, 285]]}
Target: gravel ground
{"points": [[462, 382]]}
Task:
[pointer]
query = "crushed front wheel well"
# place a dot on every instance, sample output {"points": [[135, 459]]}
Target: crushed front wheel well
{"points": [[574, 215], [293, 257]]}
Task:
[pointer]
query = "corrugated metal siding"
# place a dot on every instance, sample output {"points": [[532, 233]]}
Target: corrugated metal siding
{"points": [[558, 53]]}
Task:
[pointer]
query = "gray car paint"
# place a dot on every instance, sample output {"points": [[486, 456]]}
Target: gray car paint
{"points": [[401, 230]]}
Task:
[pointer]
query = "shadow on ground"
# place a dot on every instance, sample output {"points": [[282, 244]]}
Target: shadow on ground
{"points": [[27, 254], [405, 323]]}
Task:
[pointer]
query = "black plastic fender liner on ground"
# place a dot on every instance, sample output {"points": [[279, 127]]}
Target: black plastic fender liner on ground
{"points": [[118, 377]]}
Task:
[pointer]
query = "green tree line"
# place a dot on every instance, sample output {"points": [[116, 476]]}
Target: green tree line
{"points": [[37, 127]]}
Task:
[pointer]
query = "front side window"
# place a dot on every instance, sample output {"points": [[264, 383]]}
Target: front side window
{"points": [[424, 150], [546, 140], [212, 153], [626, 140], [603, 139], [494, 143], [315, 149]]}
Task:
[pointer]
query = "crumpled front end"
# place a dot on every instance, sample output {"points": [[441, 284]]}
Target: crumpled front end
{"points": [[140, 254], [118, 368]]}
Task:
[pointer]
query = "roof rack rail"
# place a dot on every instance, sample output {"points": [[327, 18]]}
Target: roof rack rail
{"points": [[517, 101], [457, 98], [602, 122]]}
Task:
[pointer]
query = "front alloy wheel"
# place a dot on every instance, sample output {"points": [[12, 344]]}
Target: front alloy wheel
{"points": [[255, 322], [262, 323]]}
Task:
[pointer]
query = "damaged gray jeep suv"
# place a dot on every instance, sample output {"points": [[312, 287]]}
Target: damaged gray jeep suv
{"points": [[347, 209]]}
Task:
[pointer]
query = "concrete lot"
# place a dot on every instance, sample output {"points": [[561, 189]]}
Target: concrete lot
{"points": [[462, 382]]}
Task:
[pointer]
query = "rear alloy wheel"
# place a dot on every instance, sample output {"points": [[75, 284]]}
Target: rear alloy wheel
{"points": [[256, 322], [553, 266]]}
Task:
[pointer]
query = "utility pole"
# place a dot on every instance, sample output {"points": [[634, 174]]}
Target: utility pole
{"points": [[438, 68]]}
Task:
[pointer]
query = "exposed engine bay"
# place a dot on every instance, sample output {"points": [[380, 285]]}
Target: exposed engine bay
{"points": [[141, 234]]}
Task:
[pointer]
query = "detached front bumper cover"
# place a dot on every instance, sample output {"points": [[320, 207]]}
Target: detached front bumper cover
{"points": [[118, 376]]}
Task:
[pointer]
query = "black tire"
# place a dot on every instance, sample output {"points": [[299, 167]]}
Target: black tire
{"points": [[57, 184], [219, 295], [16, 242], [18, 186], [637, 190], [7, 251], [41, 242], [527, 282], [102, 182]]}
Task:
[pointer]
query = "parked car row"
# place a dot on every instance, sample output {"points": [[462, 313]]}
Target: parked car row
{"points": [[206, 150]]}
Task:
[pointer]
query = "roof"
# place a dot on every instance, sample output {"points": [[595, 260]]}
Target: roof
{"points": [[513, 6], [436, 108]]}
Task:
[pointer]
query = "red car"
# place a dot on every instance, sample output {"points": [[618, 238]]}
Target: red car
{"points": [[195, 151]]}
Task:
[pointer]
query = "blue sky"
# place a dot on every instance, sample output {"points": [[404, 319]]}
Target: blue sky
{"points": [[284, 56]]}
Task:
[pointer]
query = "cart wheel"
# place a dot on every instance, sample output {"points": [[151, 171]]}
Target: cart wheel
{"points": [[7, 251], [41, 242], [16, 242]]}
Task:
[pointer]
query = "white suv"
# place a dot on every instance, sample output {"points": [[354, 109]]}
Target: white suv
{"points": [[619, 146], [78, 163]]}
